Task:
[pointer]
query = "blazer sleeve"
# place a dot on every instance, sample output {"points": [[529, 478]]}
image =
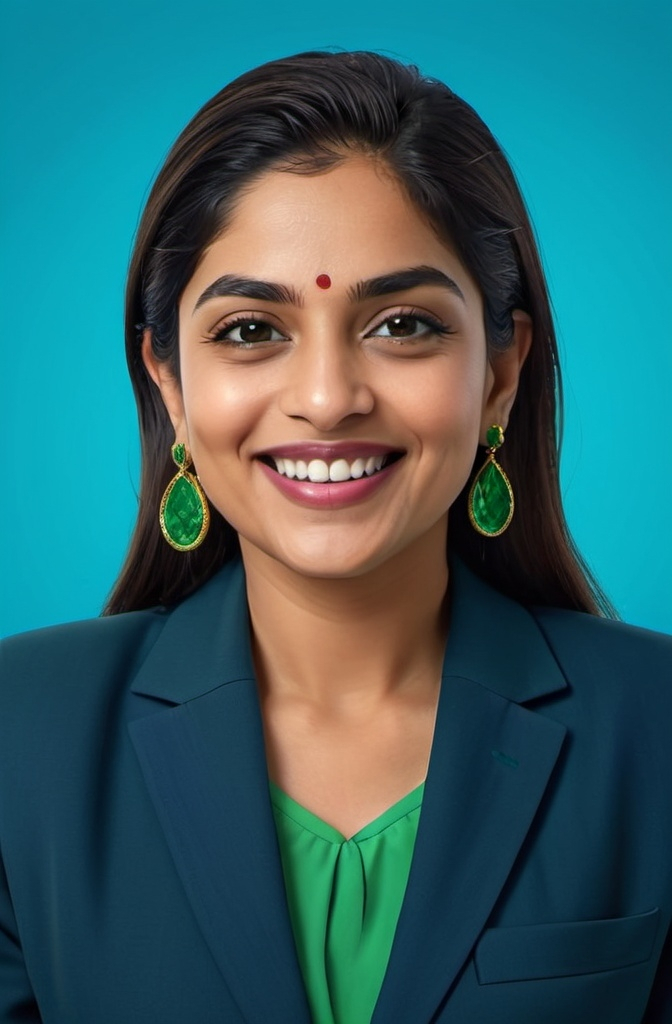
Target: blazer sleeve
{"points": [[17, 1001]]}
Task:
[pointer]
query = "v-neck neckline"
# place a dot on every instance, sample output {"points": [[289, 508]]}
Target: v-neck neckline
{"points": [[312, 823]]}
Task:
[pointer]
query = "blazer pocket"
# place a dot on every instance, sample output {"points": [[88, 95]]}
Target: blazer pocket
{"points": [[569, 948]]}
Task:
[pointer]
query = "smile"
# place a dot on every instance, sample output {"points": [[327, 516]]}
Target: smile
{"points": [[319, 471], [330, 476]]}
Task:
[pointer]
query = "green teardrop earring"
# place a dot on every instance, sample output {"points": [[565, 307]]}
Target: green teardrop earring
{"points": [[184, 514], [491, 497]]}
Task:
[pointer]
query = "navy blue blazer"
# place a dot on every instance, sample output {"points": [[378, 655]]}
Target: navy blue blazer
{"points": [[141, 882]]}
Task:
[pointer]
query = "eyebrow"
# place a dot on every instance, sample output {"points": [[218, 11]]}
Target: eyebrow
{"points": [[402, 280], [374, 287], [264, 291]]}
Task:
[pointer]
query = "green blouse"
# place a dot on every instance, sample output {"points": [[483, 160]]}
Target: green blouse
{"points": [[344, 899]]}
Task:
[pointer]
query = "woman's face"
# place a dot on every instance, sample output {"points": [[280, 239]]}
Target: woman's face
{"points": [[335, 381]]}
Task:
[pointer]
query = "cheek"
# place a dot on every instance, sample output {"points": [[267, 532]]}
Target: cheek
{"points": [[218, 401], [448, 429], [219, 414], [447, 405]]}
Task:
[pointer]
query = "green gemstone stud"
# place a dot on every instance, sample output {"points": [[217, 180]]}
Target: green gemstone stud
{"points": [[490, 500], [179, 453], [184, 515], [495, 436]]}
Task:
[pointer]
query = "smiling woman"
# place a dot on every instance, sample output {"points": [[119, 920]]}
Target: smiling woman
{"points": [[354, 753], [366, 114]]}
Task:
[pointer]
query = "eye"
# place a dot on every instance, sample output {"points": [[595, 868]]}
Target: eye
{"points": [[409, 326], [246, 332]]}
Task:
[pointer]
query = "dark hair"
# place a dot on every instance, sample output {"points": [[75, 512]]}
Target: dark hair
{"points": [[305, 113]]}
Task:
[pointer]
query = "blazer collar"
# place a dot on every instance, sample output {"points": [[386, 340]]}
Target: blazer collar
{"points": [[206, 642], [496, 642], [203, 760]]}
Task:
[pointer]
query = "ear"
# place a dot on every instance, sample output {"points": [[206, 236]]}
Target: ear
{"points": [[167, 384], [503, 374]]}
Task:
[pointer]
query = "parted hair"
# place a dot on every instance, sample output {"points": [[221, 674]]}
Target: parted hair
{"points": [[303, 114]]}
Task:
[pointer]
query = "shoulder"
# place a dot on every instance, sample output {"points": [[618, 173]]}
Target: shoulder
{"points": [[58, 656], [97, 660], [65, 692], [595, 641], [609, 658]]}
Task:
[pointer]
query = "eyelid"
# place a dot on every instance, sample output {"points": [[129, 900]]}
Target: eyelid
{"points": [[434, 322], [233, 320]]}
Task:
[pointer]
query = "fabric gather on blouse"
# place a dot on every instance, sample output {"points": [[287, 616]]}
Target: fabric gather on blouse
{"points": [[344, 898]]}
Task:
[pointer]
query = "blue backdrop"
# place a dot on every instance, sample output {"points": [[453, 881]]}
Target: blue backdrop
{"points": [[93, 95]]}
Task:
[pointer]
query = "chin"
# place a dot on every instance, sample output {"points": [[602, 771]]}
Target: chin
{"points": [[318, 561], [329, 567]]}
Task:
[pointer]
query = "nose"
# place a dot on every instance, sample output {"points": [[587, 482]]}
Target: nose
{"points": [[326, 382]]}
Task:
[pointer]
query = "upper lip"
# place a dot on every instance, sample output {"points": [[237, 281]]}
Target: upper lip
{"points": [[328, 452]]}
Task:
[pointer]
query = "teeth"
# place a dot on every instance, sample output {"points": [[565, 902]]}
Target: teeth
{"points": [[319, 472], [339, 470], [373, 464]]}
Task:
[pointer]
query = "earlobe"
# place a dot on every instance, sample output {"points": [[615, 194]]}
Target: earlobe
{"points": [[166, 382], [504, 374]]}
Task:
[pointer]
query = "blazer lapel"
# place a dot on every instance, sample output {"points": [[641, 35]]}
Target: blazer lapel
{"points": [[204, 761], [490, 764]]}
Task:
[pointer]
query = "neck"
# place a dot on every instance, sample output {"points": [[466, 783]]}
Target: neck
{"points": [[350, 643]]}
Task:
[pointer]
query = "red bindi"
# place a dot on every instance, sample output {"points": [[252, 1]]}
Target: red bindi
{"points": [[323, 281]]}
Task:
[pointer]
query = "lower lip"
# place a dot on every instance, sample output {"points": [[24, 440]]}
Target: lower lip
{"points": [[330, 495]]}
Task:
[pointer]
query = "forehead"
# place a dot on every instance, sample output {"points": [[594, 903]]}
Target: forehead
{"points": [[353, 221]]}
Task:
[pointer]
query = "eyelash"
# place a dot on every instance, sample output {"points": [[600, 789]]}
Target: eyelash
{"points": [[434, 326], [220, 332]]}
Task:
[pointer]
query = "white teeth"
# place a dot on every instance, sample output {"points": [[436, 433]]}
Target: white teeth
{"points": [[339, 470], [318, 471]]}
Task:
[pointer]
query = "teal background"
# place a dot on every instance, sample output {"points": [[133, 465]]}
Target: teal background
{"points": [[94, 94]]}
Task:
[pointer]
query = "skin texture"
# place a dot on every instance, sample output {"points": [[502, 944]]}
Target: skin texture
{"points": [[347, 599]]}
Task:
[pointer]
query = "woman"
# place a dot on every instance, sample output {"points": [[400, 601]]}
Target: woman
{"points": [[345, 748]]}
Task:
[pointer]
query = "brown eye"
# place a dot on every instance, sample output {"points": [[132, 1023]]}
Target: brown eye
{"points": [[409, 327], [402, 326], [247, 332], [254, 331]]}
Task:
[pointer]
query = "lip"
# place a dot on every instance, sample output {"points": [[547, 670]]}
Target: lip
{"points": [[330, 495]]}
